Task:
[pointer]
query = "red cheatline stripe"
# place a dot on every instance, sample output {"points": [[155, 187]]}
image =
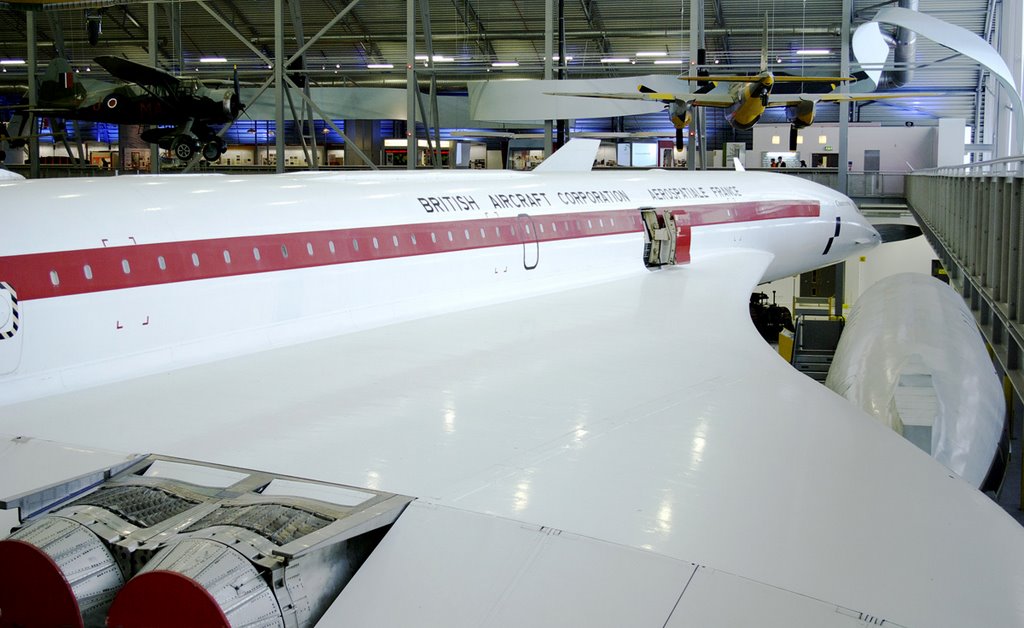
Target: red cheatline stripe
{"points": [[63, 273]]}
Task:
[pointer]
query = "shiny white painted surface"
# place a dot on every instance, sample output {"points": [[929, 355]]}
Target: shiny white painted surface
{"points": [[635, 412], [645, 413], [198, 321], [913, 323]]}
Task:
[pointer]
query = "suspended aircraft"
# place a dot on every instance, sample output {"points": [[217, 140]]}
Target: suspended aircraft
{"points": [[745, 98], [453, 398], [180, 108]]}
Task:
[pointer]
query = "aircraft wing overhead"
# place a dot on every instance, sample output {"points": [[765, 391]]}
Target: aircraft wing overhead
{"points": [[626, 453], [138, 73]]}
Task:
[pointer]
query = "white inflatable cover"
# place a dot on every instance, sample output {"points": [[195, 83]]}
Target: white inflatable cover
{"points": [[913, 326]]}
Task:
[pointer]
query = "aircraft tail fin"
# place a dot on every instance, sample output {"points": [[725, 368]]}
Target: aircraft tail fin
{"points": [[577, 155], [57, 83], [764, 45]]}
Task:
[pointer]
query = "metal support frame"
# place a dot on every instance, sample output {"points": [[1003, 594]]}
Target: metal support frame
{"points": [[696, 42], [33, 93], [279, 86], [327, 120], [430, 125], [549, 51], [154, 149], [411, 88], [306, 116], [844, 106], [470, 15], [973, 216]]}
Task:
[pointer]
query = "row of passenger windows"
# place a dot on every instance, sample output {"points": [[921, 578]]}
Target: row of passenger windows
{"points": [[162, 262]]}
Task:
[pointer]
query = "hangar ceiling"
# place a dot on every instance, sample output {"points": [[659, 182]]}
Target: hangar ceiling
{"points": [[471, 35]]}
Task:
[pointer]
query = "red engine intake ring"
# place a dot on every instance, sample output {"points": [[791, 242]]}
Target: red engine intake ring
{"points": [[164, 599], [33, 591]]}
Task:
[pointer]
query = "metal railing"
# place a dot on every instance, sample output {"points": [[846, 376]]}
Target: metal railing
{"points": [[973, 216]]}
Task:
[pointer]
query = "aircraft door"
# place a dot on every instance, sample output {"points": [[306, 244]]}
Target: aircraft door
{"points": [[10, 334], [531, 245]]}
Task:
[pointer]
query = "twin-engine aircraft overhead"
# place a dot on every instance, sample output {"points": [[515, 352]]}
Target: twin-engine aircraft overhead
{"points": [[745, 98], [458, 399], [181, 108]]}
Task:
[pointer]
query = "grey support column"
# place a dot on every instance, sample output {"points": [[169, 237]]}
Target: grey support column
{"points": [[279, 85], [154, 149], [33, 93], [844, 107], [411, 88]]}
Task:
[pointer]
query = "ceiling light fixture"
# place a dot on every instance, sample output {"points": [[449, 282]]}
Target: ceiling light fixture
{"points": [[652, 54], [379, 66], [12, 62], [668, 61], [212, 60], [814, 52], [505, 64], [615, 60]]}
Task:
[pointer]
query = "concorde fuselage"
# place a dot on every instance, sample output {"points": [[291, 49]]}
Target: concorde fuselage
{"points": [[104, 279]]}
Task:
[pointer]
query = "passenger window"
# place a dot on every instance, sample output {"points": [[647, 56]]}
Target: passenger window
{"points": [[87, 269], [162, 263], [330, 245], [527, 227], [467, 234], [433, 237], [255, 254], [450, 238], [54, 279], [227, 257], [540, 226], [578, 226], [483, 235], [413, 238], [284, 251], [355, 244], [394, 239], [309, 248], [590, 224], [376, 244], [554, 228], [612, 221], [600, 222], [195, 260], [124, 266], [497, 232]]}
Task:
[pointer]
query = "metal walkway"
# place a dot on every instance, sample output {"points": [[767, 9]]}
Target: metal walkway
{"points": [[974, 219]]}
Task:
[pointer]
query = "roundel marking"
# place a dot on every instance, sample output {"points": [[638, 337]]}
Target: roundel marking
{"points": [[9, 319], [112, 102]]}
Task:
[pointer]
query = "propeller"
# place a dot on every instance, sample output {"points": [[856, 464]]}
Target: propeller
{"points": [[897, 232]]}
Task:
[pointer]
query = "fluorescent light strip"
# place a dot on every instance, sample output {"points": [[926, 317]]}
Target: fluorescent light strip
{"points": [[615, 60], [12, 62], [652, 54], [814, 51], [567, 58], [379, 66], [213, 60], [505, 64], [668, 62]]}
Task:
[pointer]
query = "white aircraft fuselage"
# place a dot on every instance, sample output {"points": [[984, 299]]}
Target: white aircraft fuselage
{"points": [[106, 279]]}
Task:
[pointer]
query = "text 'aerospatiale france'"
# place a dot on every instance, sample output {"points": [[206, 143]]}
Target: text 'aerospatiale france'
{"points": [[712, 191]]}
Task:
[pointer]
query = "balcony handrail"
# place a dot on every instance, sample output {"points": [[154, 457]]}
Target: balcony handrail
{"points": [[1007, 166]]}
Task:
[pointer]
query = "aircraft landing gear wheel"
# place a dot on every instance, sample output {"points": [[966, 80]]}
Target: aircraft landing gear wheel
{"points": [[184, 150], [211, 151]]}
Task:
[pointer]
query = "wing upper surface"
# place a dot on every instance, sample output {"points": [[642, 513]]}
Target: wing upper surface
{"points": [[644, 413]]}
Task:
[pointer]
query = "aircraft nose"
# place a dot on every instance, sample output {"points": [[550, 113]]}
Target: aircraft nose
{"points": [[867, 235]]}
